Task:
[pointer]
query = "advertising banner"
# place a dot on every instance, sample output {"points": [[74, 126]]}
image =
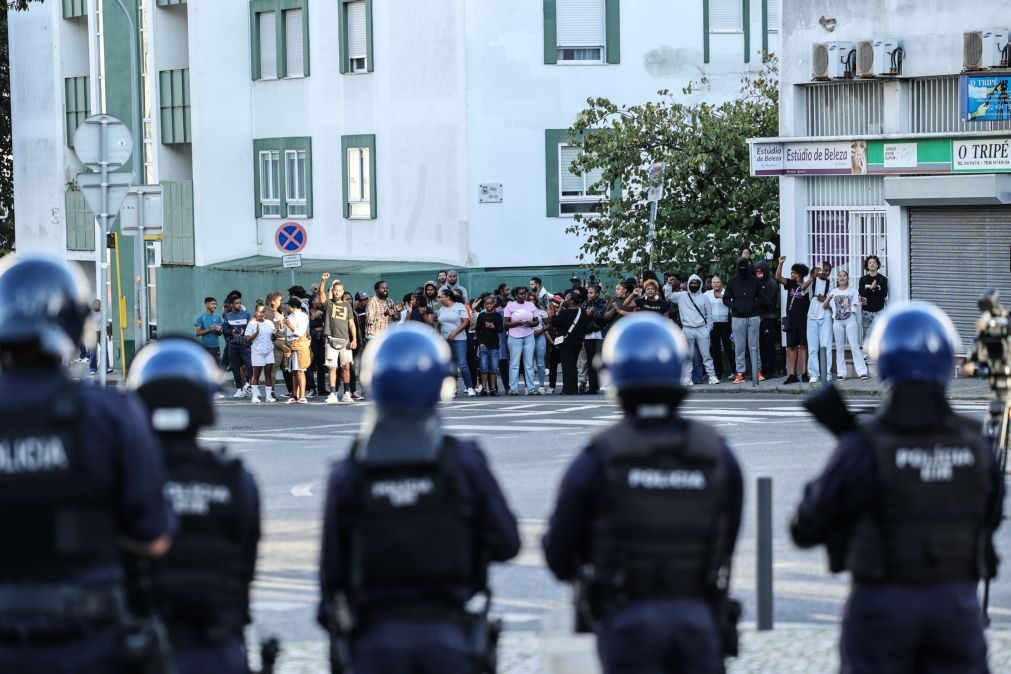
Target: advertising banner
{"points": [[985, 98]]}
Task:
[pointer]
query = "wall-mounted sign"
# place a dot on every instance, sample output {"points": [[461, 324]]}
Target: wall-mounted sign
{"points": [[490, 193], [985, 98], [914, 156]]}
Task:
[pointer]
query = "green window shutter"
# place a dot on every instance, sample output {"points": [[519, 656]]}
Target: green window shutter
{"points": [[705, 31], [612, 14], [359, 141], [254, 41], [342, 35], [550, 32], [76, 103], [174, 89], [177, 238], [73, 9], [369, 61], [278, 7], [747, 30]]}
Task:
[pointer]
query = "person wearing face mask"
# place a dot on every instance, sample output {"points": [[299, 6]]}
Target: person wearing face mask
{"points": [[695, 321], [768, 332], [720, 344], [741, 297]]}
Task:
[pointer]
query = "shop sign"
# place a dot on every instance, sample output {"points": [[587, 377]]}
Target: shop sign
{"points": [[981, 155], [833, 158], [985, 98]]}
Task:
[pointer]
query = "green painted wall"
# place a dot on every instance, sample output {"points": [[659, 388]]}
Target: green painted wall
{"points": [[181, 290]]}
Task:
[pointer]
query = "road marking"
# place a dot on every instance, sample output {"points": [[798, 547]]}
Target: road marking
{"points": [[569, 422], [303, 490]]}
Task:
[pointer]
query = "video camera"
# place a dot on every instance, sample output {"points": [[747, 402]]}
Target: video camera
{"points": [[993, 343]]}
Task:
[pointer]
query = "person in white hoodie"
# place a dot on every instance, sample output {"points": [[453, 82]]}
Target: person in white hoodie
{"points": [[693, 308]]}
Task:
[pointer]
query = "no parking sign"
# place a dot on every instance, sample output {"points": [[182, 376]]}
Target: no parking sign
{"points": [[291, 237]]}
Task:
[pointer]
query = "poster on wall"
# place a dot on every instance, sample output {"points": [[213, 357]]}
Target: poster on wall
{"points": [[985, 98]]}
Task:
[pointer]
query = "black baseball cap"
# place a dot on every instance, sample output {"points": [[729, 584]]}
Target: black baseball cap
{"points": [[361, 295], [575, 278]]}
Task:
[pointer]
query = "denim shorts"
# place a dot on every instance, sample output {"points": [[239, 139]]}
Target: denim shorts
{"points": [[487, 359]]}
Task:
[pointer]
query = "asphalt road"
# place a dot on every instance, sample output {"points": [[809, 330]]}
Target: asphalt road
{"points": [[529, 442]]}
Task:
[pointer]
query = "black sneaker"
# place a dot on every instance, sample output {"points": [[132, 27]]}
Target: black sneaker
{"points": [[792, 379], [805, 377]]}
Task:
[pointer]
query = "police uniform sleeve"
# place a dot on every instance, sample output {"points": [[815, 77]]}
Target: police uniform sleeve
{"points": [[144, 514], [333, 545], [843, 488], [568, 537], [500, 534]]}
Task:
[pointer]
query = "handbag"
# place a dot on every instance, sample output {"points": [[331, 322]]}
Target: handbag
{"points": [[561, 338]]}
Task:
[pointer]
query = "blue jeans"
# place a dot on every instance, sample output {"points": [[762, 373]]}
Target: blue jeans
{"points": [[459, 348], [487, 360], [521, 347], [540, 351]]}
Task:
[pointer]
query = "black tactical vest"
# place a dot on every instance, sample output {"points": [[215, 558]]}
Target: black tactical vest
{"points": [[412, 533], [202, 576], [660, 531], [57, 514], [927, 524]]}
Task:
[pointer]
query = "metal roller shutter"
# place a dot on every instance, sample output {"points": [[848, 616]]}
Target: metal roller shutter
{"points": [[726, 16], [356, 30], [581, 23], [954, 254], [294, 43], [268, 45]]}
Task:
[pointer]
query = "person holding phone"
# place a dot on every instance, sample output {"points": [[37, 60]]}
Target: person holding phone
{"points": [[259, 333], [819, 322]]}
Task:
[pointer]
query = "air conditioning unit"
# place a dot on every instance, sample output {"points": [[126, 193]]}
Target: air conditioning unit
{"points": [[982, 49], [880, 57], [831, 60]]}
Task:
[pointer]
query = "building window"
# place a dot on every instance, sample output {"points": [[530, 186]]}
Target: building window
{"points": [[76, 104], [359, 164], [845, 237], [73, 9], [270, 191], [576, 191], [356, 36], [283, 177], [772, 16], [582, 31], [280, 38], [294, 171], [726, 16], [174, 101]]}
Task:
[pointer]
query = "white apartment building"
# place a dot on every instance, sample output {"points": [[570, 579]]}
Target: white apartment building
{"points": [[895, 124], [402, 136]]}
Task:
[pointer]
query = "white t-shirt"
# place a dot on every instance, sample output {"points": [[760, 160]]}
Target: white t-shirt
{"points": [[844, 303], [718, 311], [300, 325], [816, 311], [263, 330]]}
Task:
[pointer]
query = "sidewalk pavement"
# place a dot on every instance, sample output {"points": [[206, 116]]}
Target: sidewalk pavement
{"points": [[787, 649], [961, 388]]}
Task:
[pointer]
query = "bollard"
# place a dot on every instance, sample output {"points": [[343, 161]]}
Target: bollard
{"points": [[763, 556], [754, 368], [823, 363]]}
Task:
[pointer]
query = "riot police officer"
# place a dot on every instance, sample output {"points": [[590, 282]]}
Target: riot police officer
{"points": [[647, 516], [412, 518], [81, 478], [908, 503], [201, 587]]}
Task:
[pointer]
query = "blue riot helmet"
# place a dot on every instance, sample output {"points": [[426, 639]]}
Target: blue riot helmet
{"points": [[914, 341], [407, 368], [645, 352], [177, 379], [44, 302]]}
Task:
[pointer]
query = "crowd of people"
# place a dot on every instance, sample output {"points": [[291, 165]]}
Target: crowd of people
{"points": [[513, 341]]}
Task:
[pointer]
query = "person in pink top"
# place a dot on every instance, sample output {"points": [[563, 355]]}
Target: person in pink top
{"points": [[521, 319]]}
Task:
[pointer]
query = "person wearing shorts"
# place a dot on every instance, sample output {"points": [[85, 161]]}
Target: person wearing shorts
{"points": [[795, 323], [341, 337], [489, 328], [297, 351], [259, 332]]}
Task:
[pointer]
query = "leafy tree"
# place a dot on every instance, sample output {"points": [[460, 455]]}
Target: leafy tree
{"points": [[6, 140], [711, 206]]}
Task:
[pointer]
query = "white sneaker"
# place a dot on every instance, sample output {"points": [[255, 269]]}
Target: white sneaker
{"points": [[219, 396], [540, 391], [240, 393], [714, 380], [332, 398], [254, 399], [470, 393], [270, 397], [247, 389], [310, 394], [689, 383], [477, 389], [346, 398]]}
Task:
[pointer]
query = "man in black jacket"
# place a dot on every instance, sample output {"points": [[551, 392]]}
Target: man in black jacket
{"points": [[741, 297]]}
